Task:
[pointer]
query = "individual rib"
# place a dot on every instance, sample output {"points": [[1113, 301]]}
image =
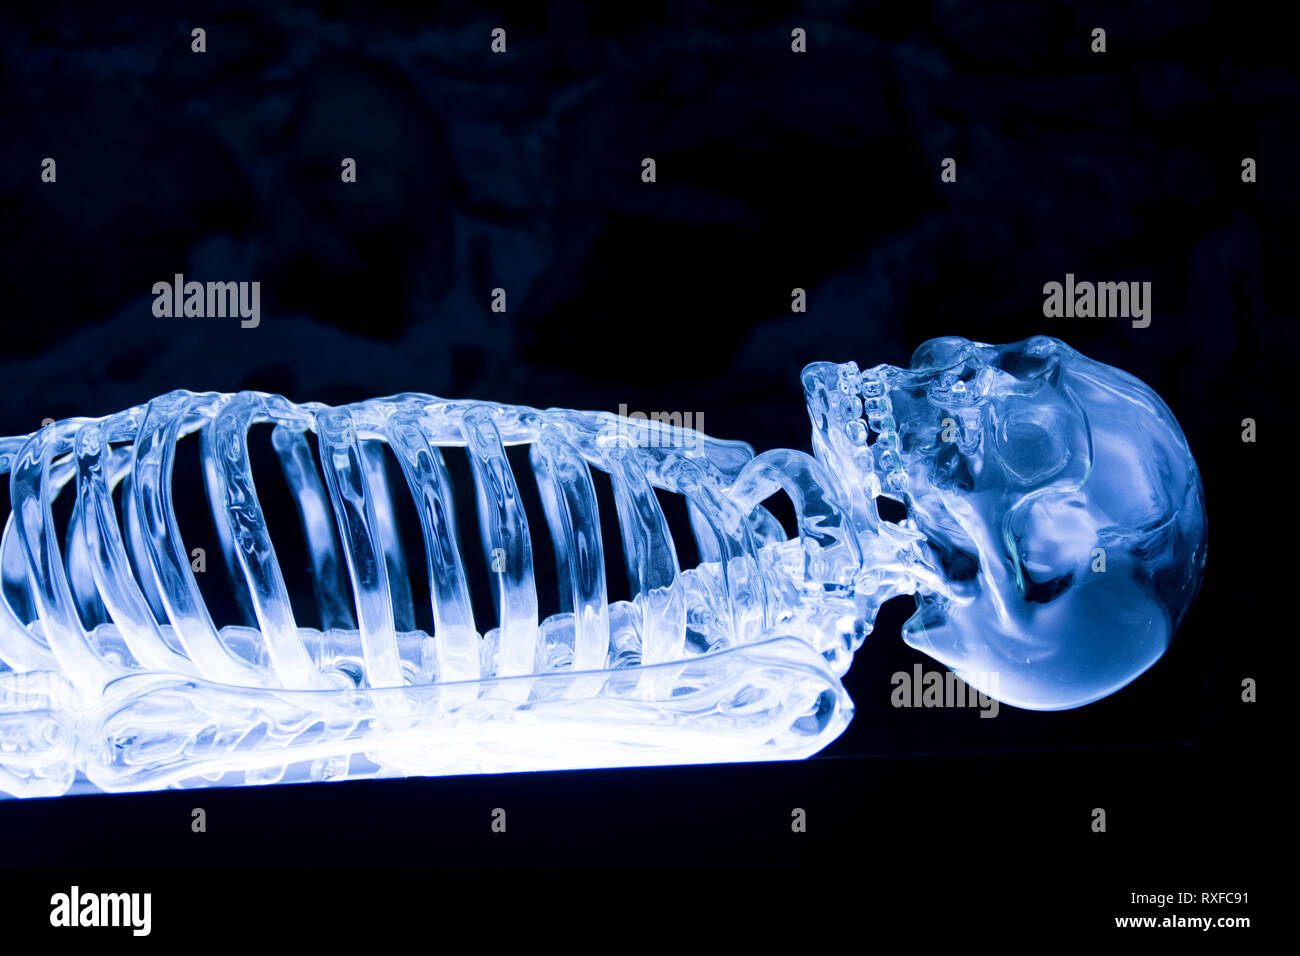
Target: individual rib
{"points": [[653, 570], [824, 527], [354, 510], [456, 640], [506, 542], [399, 579], [571, 511], [225, 453], [733, 545], [315, 513]]}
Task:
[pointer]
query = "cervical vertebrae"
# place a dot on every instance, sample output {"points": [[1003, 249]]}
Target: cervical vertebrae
{"points": [[116, 676]]}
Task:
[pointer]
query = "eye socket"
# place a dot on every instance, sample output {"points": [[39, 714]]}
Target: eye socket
{"points": [[1033, 443], [1030, 359]]}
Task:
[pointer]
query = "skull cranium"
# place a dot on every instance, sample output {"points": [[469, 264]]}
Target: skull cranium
{"points": [[1058, 499]]}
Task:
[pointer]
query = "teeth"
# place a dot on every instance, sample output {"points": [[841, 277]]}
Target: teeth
{"points": [[839, 398], [123, 619], [879, 410]]}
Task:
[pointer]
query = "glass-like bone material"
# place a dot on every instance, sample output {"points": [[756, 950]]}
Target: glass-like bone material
{"points": [[1055, 536]]}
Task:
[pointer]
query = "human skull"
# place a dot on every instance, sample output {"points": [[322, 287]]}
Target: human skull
{"points": [[1059, 499]]}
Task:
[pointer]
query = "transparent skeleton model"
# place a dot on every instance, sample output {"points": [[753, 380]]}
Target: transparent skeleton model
{"points": [[1054, 538]]}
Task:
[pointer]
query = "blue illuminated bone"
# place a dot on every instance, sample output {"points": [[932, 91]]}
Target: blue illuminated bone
{"points": [[1056, 495], [1054, 537]]}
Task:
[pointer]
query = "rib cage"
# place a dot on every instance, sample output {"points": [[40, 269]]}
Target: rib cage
{"points": [[113, 673], [92, 575]]}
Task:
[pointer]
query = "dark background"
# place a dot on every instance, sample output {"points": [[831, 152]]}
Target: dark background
{"points": [[819, 170]]}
